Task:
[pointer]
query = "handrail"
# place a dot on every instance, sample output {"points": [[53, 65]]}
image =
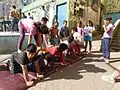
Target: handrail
{"points": [[116, 26]]}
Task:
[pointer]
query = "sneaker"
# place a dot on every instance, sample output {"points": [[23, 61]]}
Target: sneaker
{"points": [[108, 78], [106, 60], [19, 51]]}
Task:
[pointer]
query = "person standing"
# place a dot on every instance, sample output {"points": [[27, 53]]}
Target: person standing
{"points": [[108, 29], [88, 35], [64, 32], [54, 38], [80, 30], [14, 15]]}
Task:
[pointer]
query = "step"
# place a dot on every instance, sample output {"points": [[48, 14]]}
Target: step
{"points": [[115, 49], [115, 45], [115, 41]]}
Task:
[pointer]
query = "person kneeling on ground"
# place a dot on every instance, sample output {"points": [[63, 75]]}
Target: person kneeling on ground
{"points": [[57, 52], [19, 63]]}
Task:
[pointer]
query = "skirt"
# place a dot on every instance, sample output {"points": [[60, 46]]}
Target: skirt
{"points": [[87, 38]]}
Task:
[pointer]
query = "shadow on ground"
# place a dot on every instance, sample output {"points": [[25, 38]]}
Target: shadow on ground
{"points": [[73, 71]]}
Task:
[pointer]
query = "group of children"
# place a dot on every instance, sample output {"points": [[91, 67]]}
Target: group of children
{"points": [[57, 43], [51, 45]]}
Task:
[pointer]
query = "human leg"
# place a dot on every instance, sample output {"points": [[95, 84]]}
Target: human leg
{"points": [[103, 47], [86, 44], [90, 46], [21, 38]]}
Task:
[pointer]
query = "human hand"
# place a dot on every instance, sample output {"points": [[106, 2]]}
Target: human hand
{"points": [[40, 77], [29, 83], [49, 45]]}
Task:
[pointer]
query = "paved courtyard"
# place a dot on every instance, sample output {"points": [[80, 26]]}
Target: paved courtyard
{"points": [[83, 75]]}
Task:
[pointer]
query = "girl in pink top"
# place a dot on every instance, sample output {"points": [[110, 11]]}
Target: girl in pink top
{"points": [[31, 27], [80, 28]]}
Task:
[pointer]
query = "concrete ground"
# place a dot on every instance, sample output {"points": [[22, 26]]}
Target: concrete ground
{"points": [[83, 75]]}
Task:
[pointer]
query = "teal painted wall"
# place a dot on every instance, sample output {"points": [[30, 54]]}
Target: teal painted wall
{"points": [[114, 16], [58, 2]]}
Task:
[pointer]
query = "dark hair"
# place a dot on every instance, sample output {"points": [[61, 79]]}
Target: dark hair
{"points": [[64, 21], [80, 23], [44, 29], [44, 19], [90, 22], [70, 38], [74, 29], [14, 6], [62, 47], [56, 22], [28, 13], [31, 48], [108, 18]]}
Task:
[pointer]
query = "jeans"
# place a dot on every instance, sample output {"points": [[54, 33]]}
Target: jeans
{"points": [[14, 22], [106, 47]]}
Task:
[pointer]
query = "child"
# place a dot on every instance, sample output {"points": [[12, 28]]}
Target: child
{"points": [[108, 29], [54, 38], [88, 35], [33, 28], [80, 28], [57, 52], [19, 63], [77, 40], [64, 32]]}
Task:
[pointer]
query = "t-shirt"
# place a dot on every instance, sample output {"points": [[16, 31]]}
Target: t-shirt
{"points": [[28, 25], [64, 32], [80, 30], [88, 31], [77, 36], [109, 33], [54, 51], [18, 59]]}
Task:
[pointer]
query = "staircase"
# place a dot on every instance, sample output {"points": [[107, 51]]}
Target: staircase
{"points": [[115, 42]]}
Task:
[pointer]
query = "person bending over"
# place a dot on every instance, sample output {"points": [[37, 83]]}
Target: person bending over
{"points": [[35, 29]]}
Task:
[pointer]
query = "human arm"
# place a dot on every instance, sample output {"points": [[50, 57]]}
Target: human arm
{"points": [[25, 75], [37, 67], [45, 39], [29, 39], [108, 28]]}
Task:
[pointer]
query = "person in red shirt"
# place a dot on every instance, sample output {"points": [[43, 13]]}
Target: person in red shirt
{"points": [[57, 52]]}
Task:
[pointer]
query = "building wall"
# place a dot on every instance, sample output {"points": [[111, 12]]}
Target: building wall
{"points": [[112, 6], [88, 13]]}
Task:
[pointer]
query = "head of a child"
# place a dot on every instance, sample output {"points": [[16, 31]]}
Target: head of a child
{"points": [[107, 21], [89, 23], [74, 29], [62, 47], [44, 20], [31, 51], [56, 24], [42, 28], [79, 24], [65, 23]]}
